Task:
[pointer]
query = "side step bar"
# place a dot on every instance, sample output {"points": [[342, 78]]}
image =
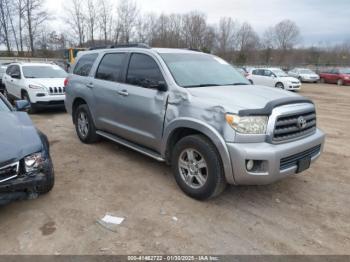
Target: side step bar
{"points": [[131, 145]]}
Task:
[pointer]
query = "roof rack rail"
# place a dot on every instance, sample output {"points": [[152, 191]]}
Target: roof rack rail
{"points": [[137, 45]]}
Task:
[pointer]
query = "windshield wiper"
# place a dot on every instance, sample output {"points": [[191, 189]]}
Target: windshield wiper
{"points": [[201, 85]]}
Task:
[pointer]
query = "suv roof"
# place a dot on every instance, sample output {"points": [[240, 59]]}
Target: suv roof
{"points": [[156, 50]]}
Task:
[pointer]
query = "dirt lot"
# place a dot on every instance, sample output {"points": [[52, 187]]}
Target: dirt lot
{"points": [[304, 214]]}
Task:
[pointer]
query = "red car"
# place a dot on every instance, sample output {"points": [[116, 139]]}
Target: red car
{"points": [[339, 76]]}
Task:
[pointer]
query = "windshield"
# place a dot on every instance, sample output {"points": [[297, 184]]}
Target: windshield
{"points": [[3, 106], [43, 72], [279, 73], [306, 71], [197, 70], [344, 71]]}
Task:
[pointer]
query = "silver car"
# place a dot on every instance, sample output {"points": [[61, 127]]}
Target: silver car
{"points": [[195, 112], [304, 75]]}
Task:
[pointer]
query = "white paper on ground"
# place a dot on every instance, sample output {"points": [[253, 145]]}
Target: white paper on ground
{"points": [[112, 220]]}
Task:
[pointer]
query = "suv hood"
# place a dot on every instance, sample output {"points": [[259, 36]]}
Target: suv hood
{"points": [[18, 137], [46, 82], [235, 98]]}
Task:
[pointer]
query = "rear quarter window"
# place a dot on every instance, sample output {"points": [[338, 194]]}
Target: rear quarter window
{"points": [[84, 64]]}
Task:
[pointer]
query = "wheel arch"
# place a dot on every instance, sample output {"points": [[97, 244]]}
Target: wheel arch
{"points": [[182, 127]]}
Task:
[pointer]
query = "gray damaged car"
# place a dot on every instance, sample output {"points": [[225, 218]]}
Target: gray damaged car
{"points": [[195, 112], [26, 168]]}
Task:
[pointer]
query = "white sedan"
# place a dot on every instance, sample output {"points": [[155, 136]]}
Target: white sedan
{"points": [[274, 77], [304, 75]]}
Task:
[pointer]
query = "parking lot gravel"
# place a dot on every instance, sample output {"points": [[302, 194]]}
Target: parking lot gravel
{"points": [[303, 214]]}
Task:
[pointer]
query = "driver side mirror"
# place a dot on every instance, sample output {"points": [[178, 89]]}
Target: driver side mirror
{"points": [[22, 105], [159, 85]]}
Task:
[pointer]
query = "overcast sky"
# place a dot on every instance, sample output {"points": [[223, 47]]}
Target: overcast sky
{"points": [[320, 21]]}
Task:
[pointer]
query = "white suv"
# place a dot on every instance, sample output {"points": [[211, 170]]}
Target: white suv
{"points": [[42, 85], [273, 77]]}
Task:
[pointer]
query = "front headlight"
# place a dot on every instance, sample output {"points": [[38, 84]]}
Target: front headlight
{"points": [[34, 162], [248, 124], [35, 87]]}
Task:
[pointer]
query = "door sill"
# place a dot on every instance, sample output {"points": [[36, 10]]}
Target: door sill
{"points": [[131, 145]]}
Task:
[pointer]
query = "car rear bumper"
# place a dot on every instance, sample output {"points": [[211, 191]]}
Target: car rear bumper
{"points": [[270, 158]]}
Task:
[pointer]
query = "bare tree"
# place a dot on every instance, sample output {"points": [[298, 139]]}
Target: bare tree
{"points": [[76, 20], [35, 16], [247, 40], [5, 24], [91, 19], [105, 15], [225, 35], [194, 29], [286, 34], [127, 17]]}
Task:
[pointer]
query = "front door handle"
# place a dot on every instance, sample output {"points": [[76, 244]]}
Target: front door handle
{"points": [[123, 92], [90, 85]]}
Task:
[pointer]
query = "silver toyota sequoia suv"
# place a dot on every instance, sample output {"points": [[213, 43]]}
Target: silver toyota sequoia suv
{"points": [[195, 112]]}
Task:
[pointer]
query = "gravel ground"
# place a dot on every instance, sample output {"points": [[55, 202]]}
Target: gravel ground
{"points": [[304, 214]]}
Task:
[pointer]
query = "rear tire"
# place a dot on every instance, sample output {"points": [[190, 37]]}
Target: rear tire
{"points": [[84, 125], [197, 167], [340, 82]]}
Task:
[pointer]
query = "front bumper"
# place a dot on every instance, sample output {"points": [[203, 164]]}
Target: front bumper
{"points": [[21, 187], [42, 98], [270, 155], [293, 87]]}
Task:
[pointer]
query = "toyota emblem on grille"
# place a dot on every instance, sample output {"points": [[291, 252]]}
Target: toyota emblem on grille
{"points": [[301, 122]]}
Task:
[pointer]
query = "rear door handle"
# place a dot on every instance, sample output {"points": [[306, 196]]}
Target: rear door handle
{"points": [[90, 85], [123, 92]]}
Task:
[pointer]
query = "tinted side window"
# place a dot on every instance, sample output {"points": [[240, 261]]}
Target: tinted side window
{"points": [[110, 67], [9, 70], [255, 72], [143, 71], [85, 64], [267, 73], [16, 70]]}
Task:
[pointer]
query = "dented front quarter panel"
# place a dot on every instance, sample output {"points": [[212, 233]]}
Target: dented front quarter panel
{"points": [[187, 111]]}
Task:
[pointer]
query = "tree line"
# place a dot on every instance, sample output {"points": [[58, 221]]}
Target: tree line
{"points": [[24, 27]]}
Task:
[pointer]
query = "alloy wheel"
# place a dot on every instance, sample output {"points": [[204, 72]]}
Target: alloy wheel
{"points": [[83, 124], [193, 168]]}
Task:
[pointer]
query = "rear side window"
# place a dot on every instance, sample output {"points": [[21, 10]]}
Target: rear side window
{"points": [[111, 67], [85, 64], [143, 71]]}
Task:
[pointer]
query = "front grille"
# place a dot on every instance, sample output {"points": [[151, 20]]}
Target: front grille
{"points": [[56, 90], [9, 171], [287, 127], [291, 161]]}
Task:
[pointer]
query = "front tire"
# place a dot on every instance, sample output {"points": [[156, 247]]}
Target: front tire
{"points": [[50, 180], [279, 85], [197, 167], [84, 125], [32, 109]]}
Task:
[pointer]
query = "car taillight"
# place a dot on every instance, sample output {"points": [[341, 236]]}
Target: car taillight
{"points": [[66, 82]]}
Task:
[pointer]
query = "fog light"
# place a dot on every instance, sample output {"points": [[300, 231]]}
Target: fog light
{"points": [[250, 165]]}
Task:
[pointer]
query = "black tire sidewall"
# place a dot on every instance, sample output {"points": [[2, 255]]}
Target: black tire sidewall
{"points": [[213, 161], [91, 131], [280, 85]]}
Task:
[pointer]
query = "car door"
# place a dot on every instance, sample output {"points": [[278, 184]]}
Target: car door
{"points": [[7, 80], [268, 78], [17, 81], [106, 85], [140, 107]]}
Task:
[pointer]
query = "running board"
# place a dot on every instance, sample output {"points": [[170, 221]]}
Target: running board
{"points": [[131, 145]]}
